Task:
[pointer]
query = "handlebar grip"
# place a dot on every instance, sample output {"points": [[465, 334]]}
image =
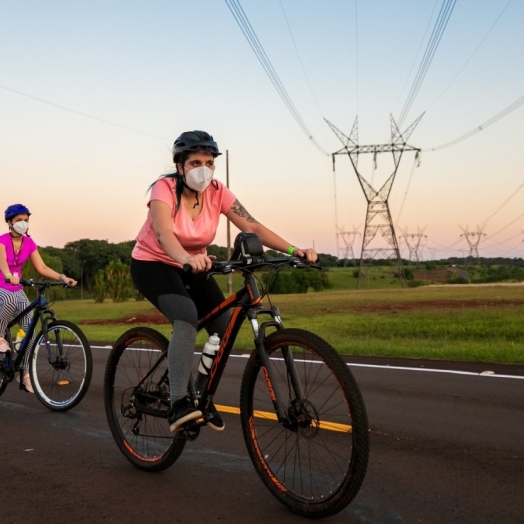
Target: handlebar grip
{"points": [[187, 268]]}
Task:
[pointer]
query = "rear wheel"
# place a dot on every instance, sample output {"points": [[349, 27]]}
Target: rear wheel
{"points": [[3, 384], [144, 439], [315, 461], [61, 366], [5, 375]]}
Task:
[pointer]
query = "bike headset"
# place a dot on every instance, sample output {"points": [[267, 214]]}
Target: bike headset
{"points": [[187, 143]]}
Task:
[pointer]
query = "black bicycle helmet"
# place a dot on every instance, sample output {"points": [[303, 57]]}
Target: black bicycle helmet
{"points": [[193, 141], [15, 209]]}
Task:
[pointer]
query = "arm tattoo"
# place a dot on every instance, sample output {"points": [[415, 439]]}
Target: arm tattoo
{"points": [[241, 211]]}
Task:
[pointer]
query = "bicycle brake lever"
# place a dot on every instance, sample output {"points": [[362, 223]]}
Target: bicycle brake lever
{"points": [[224, 270], [301, 263]]}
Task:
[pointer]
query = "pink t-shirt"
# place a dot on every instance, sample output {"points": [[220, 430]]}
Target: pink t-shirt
{"points": [[194, 235], [16, 261]]}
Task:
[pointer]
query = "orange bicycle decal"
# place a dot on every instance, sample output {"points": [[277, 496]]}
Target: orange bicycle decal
{"points": [[133, 452], [223, 305], [224, 342], [269, 386], [261, 458]]}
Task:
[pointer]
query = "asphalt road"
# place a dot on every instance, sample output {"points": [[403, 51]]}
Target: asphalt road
{"points": [[446, 448]]}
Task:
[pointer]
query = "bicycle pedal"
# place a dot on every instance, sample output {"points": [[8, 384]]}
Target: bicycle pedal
{"points": [[190, 430]]}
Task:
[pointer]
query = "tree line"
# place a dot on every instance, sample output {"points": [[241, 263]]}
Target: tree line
{"points": [[102, 269]]}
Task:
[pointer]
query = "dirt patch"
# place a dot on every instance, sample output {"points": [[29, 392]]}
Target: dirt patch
{"points": [[155, 317], [441, 304], [148, 317]]}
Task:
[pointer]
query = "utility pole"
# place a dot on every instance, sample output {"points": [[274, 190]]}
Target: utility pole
{"points": [[229, 276], [378, 216], [413, 241], [473, 239]]}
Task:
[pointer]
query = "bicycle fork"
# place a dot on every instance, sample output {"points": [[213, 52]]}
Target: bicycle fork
{"points": [[283, 412]]}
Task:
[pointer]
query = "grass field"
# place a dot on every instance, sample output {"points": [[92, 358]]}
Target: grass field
{"points": [[468, 323]]}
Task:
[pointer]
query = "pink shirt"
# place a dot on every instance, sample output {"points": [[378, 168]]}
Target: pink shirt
{"points": [[16, 261], [194, 235]]}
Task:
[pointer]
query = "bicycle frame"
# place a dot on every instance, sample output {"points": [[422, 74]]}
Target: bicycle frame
{"points": [[42, 314], [245, 303]]}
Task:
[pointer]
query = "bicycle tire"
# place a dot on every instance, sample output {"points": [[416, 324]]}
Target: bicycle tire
{"points": [[61, 384], [145, 440], [317, 468]]}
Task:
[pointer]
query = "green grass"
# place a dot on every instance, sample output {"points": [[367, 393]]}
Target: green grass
{"points": [[374, 278], [467, 323]]}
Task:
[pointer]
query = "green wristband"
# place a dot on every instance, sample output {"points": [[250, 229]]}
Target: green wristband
{"points": [[8, 275], [291, 250]]}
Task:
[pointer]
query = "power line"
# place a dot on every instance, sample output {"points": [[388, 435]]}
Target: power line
{"points": [[503, 241], [507, 225], [256, 46], [299, 57], [436, 36], [82, 114], [417, 53], [472, 54], [504, 203], [356, 55], [492, 120], [416, 163]]}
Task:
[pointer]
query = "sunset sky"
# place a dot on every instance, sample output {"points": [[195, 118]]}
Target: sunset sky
{"points": [[93, 94]]}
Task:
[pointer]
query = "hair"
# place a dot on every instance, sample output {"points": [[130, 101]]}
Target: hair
{"points": [[180, 158]]}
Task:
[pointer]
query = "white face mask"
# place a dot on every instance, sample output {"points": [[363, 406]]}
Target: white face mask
{"points": [[21, 227], [199, 178]]}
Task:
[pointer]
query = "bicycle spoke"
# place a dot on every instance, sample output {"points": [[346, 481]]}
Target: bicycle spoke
{"points": [[61, 366], [310, 457], [130, 382]]}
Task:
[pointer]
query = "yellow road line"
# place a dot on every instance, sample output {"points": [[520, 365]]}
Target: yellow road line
{"points": [[330, 426]]}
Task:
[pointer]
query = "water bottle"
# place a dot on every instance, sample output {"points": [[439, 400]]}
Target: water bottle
{"points": [[20, 334], [206, 361]]}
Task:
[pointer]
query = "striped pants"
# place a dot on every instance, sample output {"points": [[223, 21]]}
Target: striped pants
{"points": [[11, 304]]}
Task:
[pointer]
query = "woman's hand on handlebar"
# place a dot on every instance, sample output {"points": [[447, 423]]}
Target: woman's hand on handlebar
{"points": [[199, 263], [14, 280], [309, 254]]}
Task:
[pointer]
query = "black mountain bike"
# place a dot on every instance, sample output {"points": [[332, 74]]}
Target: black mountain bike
{"points": [[60, 362], [303, 418]]}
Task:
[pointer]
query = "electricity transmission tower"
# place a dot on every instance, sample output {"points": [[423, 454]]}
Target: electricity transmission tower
{"points": [[378, 216], [413, 241], [348, 238], [473, 239]]}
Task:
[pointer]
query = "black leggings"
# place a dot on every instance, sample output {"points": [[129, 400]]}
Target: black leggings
{"points": [[164, 286]]}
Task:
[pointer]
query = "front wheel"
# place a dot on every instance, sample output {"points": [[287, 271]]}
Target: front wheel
{"points": [[137, 414], [61, 366], [315, 460]]}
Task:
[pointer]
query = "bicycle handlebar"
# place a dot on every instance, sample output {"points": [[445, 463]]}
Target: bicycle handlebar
{"points": [[29, 282], [249, 262]]}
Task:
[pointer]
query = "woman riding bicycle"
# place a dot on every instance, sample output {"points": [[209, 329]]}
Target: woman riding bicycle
{"points": [[182, 220], [16, 247]]}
